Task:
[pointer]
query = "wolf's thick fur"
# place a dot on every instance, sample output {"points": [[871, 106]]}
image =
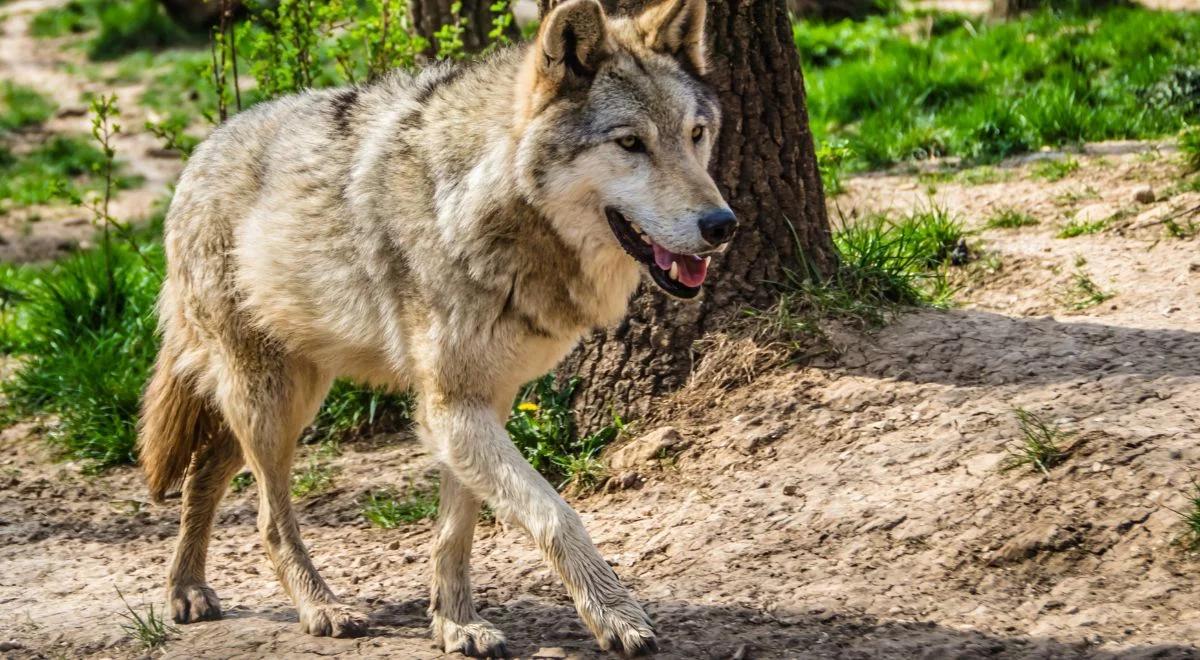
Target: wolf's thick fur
{"points": [[455, 232]]}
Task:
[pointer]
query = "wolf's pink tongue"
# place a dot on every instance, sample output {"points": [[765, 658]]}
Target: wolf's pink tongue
{"points": [[692, 269], [663, 257]]}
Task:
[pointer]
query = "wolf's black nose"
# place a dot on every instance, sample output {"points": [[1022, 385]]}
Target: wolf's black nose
{"points": [[717, 227]]}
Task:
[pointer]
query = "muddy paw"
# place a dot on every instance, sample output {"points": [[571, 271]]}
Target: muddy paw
{"points": [[332, 620], [623, 628], [193, 602], [478, 639]]}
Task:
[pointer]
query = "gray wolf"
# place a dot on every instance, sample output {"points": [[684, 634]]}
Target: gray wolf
{"points": [[454, 232]]}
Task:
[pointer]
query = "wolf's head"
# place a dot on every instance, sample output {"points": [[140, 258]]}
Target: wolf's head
{"points": [[618, 121]]}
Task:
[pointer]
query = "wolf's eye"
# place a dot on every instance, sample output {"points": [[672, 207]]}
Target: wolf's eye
{"points": [[632, 144], [697, 134]]}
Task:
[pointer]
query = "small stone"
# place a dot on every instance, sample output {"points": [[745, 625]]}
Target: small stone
{"points": [[625, 481], [791, 490], [1144, 195], [11, 645], [550, 652], [394, 545], [642, 450]]}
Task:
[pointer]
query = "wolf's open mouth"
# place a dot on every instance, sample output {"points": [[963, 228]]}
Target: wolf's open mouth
{"points": [[678, 274]]}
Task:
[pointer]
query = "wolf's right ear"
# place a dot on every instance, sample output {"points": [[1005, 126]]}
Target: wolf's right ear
{"points": [[572, 42]]}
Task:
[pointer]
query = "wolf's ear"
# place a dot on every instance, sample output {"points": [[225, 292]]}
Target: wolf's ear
{"points": [[572, 41], [676, 28]]}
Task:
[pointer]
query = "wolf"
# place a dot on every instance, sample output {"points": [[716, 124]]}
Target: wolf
{"points": [[454, 232]]}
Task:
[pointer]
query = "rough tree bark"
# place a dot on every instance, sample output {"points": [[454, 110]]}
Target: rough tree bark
{"points": [[430, 15], [766, 167]]}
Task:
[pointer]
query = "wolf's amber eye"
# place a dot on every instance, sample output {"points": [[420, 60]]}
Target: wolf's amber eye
{"points": [[632, 143], [697, 134]]}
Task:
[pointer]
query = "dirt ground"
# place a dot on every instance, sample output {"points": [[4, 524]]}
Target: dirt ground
{"points": [[852, 507]]}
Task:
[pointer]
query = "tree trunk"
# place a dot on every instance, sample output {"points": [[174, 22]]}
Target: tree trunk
{"points": [[430, 15], [766, 168]]}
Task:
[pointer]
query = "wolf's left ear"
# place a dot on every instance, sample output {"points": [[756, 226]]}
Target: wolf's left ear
{"points": [[676, 28], [572, 41]]}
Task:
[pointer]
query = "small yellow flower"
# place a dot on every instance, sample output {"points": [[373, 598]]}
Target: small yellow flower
{"points": [[527, 406]]}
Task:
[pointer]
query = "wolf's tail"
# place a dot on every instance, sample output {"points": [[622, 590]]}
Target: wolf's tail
{"points": [[176, 421]]}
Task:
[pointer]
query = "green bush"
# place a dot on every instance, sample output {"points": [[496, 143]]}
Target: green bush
{"points": [[86, 328]]}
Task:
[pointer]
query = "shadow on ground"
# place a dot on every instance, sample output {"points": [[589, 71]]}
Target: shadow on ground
{"points": [[687, 631]]}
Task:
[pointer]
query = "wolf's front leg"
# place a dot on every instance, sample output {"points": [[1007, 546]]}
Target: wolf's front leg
{"points": [[456, 624], [476, 448]]}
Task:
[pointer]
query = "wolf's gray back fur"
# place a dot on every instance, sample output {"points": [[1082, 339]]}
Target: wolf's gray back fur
{"points": [[453, 231]]}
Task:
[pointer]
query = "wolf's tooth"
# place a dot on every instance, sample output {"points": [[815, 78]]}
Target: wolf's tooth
{"points": [[675, 271], [645, 239], [707, 261]]}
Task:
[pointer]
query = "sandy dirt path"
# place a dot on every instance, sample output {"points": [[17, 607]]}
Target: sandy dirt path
{"points": [[852, 507]]}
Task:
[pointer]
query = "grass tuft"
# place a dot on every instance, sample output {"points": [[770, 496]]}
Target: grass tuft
{"points": [[352, 411], [314, 478], [1010, 218], [1191, 518], [1081, 292], [1189, 146], [1040, 446], [1075, 228], [542, 426], [149, 629], [21, 107], [1055, 169], [60, 168], [384, 509], [87, 329]]}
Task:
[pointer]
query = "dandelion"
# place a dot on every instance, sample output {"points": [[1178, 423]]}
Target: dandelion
{"points": [[527, 406]]}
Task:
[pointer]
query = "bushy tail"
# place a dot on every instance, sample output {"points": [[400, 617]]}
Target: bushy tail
{"points": [[175, 422]]}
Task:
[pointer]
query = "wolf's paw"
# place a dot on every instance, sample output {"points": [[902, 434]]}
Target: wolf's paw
{"points": [[193, 602], [623, 627], [332, 620], [478, 639]]}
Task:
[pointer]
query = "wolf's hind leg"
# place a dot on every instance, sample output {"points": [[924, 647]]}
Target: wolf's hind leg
{"points": [[483, 458], [267, 405], [456, 624], [213, 466]]}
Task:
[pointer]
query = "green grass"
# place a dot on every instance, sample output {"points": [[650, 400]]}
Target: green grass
{"points": [[1055, 169], [60, 168], [1075, 228], [1081, 292], [117, 27], [1189, 146], [1010, 218], [543, 428], [984, 91], [352, 410], [150, 630], [74, 17], [311, 479], [386, 510], [1191, 519], [21, 107], [899, 261], [87, 332], [884, 263], [1040, 445]]}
